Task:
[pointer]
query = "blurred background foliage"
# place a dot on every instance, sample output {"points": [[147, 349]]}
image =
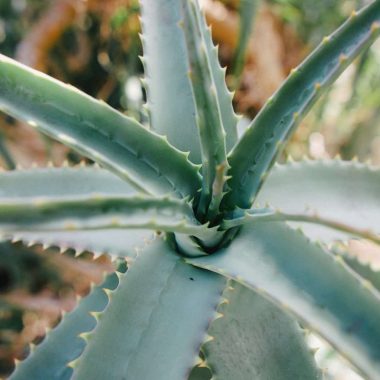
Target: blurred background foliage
{"points": [[95, 46]]}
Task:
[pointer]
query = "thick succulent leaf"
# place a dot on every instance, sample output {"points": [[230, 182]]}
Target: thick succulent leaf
{"points": [[115, 242], [170, 100], [211, 132], [50, 359], [98, 212], [227, 113], [95, 130], [256, 340], [247, 13], [260, 215], [335, 190], [65, 192], [61, 182], [252, 157], [363, 270], [314, 285], [69, 182], [155, 322]]}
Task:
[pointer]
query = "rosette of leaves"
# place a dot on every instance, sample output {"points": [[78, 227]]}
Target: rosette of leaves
{"points": [[222, 284]]}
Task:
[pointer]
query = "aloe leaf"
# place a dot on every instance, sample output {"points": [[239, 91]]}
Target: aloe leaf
{"points": [[70, 182], [270, 215], [227, 113], [247, 13], [256, 340], [161, 302], [61, 182], [170, 100], [50, 359], [363, 270], [99, 212], [68, 196], [334, 190], [114, 242], [280, 263], [211, 132], [95, 130], [252, 157]]}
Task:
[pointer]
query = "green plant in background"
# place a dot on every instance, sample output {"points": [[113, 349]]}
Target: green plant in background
{"points": [[313, 18], [221, 284], [247, 13]]}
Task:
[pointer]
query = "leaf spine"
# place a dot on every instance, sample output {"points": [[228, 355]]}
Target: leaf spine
{"points": [[85, 335], [342, 58], [375, 26], [326, 39]]}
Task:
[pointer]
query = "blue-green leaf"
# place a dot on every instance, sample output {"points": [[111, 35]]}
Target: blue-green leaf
{"points": [[256, 340], [96, 130], [270, 215], [61, 182], [253, 156], [71, 182], [50, 359], [155, 322], [312, 284], [209, 121], [335, 190], [170, 100], [363, 270], [99, 212], [227, 113]]}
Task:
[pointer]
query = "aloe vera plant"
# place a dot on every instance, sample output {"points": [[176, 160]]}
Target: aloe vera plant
{"points": [[216, 285]]}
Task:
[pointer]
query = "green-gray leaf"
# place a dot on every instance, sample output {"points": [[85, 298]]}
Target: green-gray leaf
{"points": [[170, 100], [229, 118], [209, 121], [256, 340], [160, 303], [254, 154], [336, 190], [68, 182], [98, 212], [96, 130], [50, 359], [314, 285], [61, 182]]}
